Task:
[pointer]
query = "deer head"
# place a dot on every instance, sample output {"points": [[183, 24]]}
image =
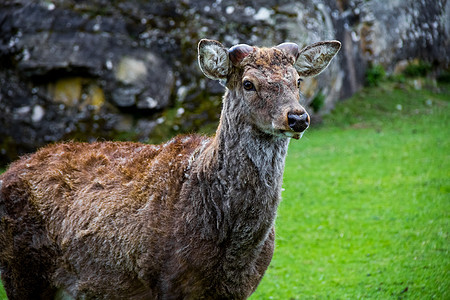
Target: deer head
{"points": [[264, 83]]}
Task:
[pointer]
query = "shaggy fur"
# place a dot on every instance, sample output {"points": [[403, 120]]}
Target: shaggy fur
{"points": [[189, 219]]}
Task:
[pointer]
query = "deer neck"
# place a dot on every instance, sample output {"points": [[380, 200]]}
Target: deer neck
{"points": [[245, 167], [249, 157]]}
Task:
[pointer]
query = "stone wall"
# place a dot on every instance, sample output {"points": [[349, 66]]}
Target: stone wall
{"points": [[100, 69]]}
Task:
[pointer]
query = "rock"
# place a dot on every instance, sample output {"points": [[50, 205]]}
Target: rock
{"points": [[105, 69], [131, 70], [37, 113]]}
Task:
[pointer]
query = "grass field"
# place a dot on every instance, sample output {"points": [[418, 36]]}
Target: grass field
{"points": [[366, 207]]}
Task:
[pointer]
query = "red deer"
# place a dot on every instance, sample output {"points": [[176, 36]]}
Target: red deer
{"points": [[190, 219]]}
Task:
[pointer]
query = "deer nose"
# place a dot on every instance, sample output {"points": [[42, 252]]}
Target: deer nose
{"points": [[298, 121]]}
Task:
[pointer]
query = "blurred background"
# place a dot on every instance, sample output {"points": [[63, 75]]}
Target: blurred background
{"points": [[127, 70]]}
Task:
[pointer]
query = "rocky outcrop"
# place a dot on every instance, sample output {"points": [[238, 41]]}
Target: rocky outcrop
{"points": [[127, 69]]}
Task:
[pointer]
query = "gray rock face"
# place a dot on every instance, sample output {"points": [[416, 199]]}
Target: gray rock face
{"points": [[93, 69]]}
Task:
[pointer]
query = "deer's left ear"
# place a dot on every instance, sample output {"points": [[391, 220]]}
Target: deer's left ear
{"points": [[213, 59], [315, 58]]}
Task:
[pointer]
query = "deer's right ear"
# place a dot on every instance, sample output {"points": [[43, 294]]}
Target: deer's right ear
{"points": [[213, 59]]}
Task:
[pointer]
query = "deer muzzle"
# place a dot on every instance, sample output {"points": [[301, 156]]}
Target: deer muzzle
{"points": [[298, 121]]}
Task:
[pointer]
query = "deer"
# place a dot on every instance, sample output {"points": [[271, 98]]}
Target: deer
{"points": [[192, 218]]}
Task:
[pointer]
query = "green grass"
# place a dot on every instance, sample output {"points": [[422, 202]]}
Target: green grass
{"points": [[2, 292], [366, 207]]}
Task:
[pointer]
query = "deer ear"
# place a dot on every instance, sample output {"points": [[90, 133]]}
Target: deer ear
{"points": [[313, 59], [213, 59]]}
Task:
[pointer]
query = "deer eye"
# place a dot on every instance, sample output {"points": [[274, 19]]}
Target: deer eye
{"points": [[299, 81], [248, 85]]}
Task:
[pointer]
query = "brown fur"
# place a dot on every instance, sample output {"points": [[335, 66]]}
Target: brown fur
{"points": [[190, 219]]}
